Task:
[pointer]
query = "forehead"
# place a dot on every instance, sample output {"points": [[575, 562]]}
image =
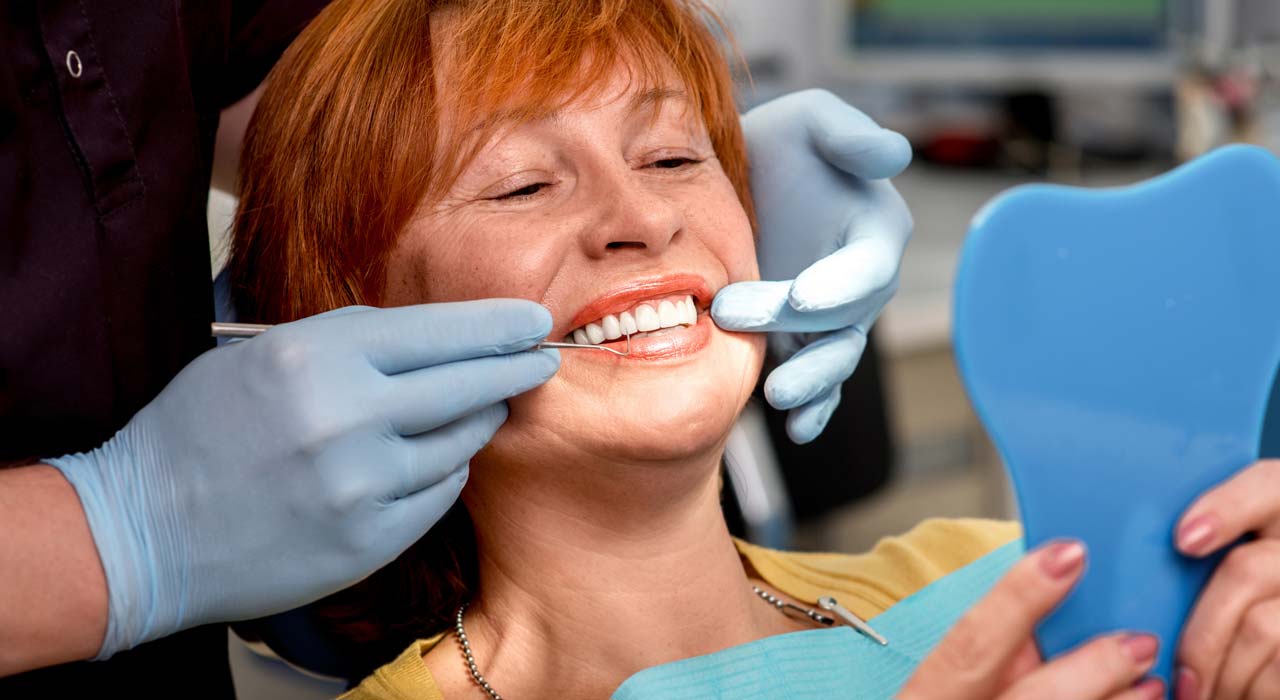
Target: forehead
{"points": [[621, 87], [484, 83]]}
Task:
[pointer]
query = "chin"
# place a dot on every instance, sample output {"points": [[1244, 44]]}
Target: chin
{"points": [[642, 412]]}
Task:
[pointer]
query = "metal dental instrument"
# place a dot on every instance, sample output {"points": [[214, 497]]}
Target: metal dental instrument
{"points": [[831, 605], [249, 330], [236, 330], [576, 346]]}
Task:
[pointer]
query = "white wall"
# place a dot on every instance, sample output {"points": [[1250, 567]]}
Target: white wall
{"points": [[782, 29]]}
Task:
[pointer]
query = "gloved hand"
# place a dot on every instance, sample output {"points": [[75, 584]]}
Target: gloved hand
{"points": [[277, 470], [832, 232]]}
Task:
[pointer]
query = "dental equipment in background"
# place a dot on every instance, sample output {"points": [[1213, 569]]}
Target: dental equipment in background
{"points": [[250, 330]]}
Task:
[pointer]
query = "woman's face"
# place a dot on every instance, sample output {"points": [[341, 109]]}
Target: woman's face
{"points": [[614, 213]]}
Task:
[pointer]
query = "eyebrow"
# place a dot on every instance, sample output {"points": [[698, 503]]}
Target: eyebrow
{"points": [[654, 96], [648, 99]]}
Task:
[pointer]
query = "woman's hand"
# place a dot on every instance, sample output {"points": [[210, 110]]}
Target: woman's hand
{"points": [[990, 652], [1230, 647]]}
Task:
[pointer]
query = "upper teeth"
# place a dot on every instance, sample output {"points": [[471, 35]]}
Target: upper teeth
{"points": [[650, 316]]}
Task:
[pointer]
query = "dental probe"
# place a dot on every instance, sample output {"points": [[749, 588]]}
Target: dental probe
{"points": [[250, 330], [576, 346]]}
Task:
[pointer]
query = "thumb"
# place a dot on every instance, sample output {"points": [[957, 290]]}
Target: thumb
{"points": [[852, 141]]}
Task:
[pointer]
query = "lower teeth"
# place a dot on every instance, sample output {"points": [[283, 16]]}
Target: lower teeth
{"points": [[650, 334]]}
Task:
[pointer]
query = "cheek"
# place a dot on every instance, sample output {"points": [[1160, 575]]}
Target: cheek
{"points": [[722, 226], [456, 260], [739, 253]]}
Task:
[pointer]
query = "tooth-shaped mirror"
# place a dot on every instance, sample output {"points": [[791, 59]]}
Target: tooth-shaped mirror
{"points": [[1121, 347]]}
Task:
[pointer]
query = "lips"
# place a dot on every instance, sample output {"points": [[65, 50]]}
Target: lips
{"points": [[667, 317], [650, 316]]}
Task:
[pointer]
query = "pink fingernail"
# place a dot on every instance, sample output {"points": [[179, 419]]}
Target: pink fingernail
{"points": [[1196, 534], [1152, 689], [1141, 648], [1188, 684], [1063, 559]]}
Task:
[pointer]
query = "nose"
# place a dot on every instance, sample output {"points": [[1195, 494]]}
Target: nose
{"points": [[633, 218]]}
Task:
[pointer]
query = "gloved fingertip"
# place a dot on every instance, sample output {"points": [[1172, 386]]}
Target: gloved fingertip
{"points": [[536, 367], [527, 322], [747, 306], [893, 155], [777, 398], [494, 415], [427, 506], [553, 358], [785, 392], [732, 315], [802, 434], [873, 155], [806, 423], [461, 475], [544, 318], [454, 480]]}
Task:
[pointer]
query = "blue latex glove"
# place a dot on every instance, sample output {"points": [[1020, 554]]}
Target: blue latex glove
{"points": [[832, 233], [277, 470]]}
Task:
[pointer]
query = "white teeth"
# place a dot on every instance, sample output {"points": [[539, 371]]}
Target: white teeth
{"points": [[690, 311], [647, 319], [643, 319], [628, 323], [612, 329], [668, 316]]}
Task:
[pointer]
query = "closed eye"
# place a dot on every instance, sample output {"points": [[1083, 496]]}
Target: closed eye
{"points": [[673, 163], [526, 191]]}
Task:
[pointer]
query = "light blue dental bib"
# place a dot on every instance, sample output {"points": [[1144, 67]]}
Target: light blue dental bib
{"points": [[829, 664]]}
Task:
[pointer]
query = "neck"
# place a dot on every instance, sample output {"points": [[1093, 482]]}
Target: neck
{"points": [[584, 584]]}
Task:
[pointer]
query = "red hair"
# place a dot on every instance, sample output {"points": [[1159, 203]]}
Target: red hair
{"points": [[346, 141], [346, 144]]}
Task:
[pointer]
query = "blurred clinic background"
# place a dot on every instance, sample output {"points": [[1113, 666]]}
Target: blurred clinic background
{"points": [[992, 94]]}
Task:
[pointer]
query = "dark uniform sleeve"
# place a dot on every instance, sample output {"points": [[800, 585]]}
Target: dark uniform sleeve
{"points": [[259, 33], [108, 113]]}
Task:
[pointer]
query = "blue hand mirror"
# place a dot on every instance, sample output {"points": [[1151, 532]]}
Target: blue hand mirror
{"points": [[1121, 348]]}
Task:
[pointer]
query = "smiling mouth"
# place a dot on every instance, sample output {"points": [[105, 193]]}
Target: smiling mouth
{"points": [[666, 318], [651, 318]]}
